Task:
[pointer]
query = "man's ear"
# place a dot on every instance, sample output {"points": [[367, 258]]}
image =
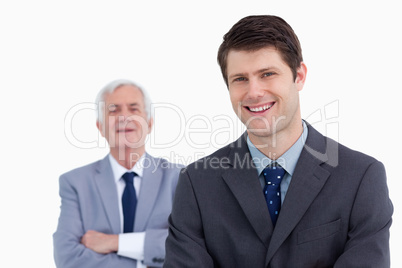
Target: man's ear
{"points": [[100, 128], [150, 124], [301, 76]]}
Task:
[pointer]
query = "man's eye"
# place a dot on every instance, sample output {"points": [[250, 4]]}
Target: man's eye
{"points": [[268, 74], [112, 108], [239, 79]]}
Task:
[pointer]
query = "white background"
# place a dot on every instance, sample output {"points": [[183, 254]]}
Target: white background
{"points": [[56, 55]]}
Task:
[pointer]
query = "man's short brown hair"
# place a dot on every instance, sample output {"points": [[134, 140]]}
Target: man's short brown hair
{"points": [[255, 32]]}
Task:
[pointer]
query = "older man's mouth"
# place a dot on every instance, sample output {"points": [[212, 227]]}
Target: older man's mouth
{"points": [[125, 130]]}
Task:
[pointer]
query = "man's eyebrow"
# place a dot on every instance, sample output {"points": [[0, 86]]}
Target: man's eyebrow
{"points": [[237, 75], [118, 105], [266, 69]]}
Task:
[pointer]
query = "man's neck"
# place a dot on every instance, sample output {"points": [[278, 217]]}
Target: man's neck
{"points": [[126, 156], [276, 144]]}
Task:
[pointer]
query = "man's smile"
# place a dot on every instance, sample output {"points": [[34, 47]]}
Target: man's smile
{"points": [[260, 108], [125, 130]]}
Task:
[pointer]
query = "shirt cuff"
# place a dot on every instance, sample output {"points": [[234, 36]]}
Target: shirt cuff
{"points": [[131, 245]]}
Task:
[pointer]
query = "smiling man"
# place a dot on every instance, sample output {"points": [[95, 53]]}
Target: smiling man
{"points": [[114, 212], [265, 96], [282, 195]]}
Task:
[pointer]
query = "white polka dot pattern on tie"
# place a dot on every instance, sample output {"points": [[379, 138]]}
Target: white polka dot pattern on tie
{"points": [[273, 176]]}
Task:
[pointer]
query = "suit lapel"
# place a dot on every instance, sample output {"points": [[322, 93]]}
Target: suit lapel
{"points": [[242, 179], [108, 193], [150, 184], [307, 181]]}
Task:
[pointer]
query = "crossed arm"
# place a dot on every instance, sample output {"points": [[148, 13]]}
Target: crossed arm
{"points": [[73, 246], [83, 237], [100, 242]]}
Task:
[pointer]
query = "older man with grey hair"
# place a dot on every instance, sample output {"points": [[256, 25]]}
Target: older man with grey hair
{"points": [[114, 211]]}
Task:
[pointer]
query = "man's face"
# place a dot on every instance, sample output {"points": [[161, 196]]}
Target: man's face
{"points": [[263, 91], [125, 119]]}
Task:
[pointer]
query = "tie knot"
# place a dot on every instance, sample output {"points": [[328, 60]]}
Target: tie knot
{"points": [[129, 177], [273, 173]]}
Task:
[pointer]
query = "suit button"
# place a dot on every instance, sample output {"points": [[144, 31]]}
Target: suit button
{"points": [[158, 260]]}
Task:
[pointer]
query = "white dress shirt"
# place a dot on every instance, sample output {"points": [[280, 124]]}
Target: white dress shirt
{"points": [[131, 245]]}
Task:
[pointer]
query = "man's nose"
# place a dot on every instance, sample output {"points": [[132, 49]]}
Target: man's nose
{"points": [[124, 115], [255, 89]]}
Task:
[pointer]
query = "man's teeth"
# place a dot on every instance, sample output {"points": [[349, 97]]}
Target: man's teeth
{"points": [[259, 109]]}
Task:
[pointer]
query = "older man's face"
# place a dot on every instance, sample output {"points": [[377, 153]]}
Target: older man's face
{"points": [[125, 121]]}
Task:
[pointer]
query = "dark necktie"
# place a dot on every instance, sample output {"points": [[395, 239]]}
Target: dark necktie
{"points": [[273, 175], [129, 201]]}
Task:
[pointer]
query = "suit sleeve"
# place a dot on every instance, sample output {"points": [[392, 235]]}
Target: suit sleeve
{"points": [[68, 251], [148, 246], [185, 245], [154, 247], [371, 218], [155, 238]]}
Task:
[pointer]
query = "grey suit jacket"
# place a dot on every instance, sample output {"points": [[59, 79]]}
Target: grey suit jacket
{"points": [[336, 213], [89, 202]]}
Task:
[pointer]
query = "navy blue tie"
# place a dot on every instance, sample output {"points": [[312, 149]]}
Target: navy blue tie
{"points": [[273, 175], [129, 201]]}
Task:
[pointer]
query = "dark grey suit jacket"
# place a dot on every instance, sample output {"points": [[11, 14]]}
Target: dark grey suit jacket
{"points": [[337, 212]]}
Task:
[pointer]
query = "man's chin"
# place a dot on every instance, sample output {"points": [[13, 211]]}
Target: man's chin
{"points": [[263, 132], [130, 143]]}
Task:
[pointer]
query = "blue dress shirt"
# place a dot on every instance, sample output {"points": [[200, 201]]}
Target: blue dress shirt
{"points": [[288, 160]]}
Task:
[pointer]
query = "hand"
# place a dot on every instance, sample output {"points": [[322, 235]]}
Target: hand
{"points": [[100, 242]]}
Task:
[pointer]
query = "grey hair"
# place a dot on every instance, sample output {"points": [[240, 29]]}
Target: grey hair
{"points": [[110, 88]]}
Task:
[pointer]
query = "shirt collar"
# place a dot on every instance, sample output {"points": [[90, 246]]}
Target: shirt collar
{"points": [[119, 170], [288, 160]]}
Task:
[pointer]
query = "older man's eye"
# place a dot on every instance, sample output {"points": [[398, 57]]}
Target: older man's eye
{"points": [[112, 108]]}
